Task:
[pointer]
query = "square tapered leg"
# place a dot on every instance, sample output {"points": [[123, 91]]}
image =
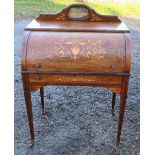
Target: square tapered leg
{"points": [[27, 95]]}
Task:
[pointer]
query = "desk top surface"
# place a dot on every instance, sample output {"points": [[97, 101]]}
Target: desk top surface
{"points": [[77, 26]]}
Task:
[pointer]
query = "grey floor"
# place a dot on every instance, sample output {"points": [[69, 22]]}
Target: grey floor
{"points": [[78, 120]]}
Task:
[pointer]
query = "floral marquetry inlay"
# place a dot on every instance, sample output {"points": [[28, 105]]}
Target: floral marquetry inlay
{"points": [[96, 18], [78, 48], [76, 79], [75, 51], [62, 17]]}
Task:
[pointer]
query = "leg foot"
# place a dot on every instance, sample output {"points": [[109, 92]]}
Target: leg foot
{"points": [[32, 144]]}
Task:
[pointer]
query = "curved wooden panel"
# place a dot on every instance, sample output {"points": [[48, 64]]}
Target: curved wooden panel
{"points": [[24, 51], [89, 52]]}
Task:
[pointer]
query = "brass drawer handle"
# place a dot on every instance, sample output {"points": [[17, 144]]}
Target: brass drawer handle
{"points": [[113, 67], [37, 66], [38, 77]]}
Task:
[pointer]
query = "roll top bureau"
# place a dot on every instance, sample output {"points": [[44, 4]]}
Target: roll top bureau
{"points": [[77, 47]]}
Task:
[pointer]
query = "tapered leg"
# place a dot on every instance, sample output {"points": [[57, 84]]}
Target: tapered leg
{"points": [[42, 98], [113, 103], [121, 116], [123, 97], [27, 95]]}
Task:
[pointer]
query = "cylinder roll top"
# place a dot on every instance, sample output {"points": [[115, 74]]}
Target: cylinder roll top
{"points": [[62, 51]]}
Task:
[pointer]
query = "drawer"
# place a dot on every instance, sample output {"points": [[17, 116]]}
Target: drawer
{"points": [[38, 80]]}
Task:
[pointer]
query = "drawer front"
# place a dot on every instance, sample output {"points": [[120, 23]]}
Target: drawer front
{"points": [[76, 51], [37, 80]]}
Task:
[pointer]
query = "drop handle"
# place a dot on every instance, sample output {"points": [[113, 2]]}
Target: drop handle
{"points": [[113, 67], [37, 66], [38, 78]]}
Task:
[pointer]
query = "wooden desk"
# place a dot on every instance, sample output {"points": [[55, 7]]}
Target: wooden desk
{"points": [[93, 50]]}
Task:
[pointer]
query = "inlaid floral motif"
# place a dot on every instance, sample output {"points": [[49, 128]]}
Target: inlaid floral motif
{"points": [[62, 17], [76, 79], [96, 18], [75, 51]]}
